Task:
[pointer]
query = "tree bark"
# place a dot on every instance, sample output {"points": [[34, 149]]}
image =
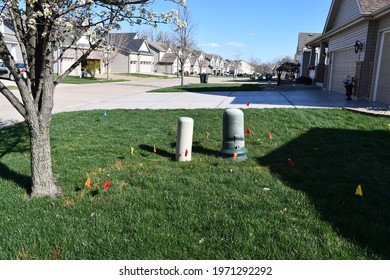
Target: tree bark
{"points": [[42, 176]]}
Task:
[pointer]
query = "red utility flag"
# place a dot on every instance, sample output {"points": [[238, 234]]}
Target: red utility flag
{"points": [[186, 153], [248, 131], [269, 136], [247, 104], [290, 162], [88, 183], [106, 185]]}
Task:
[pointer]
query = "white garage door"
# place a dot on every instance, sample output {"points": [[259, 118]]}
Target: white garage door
{"points": [[383, 89], [344, 64]]}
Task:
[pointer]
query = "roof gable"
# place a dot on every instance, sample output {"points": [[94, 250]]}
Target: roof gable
{"points": [[346, 11]]}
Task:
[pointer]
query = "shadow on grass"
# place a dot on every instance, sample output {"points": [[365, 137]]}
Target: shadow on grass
{"points": [[330, 164], [14, 139], [160, 152]]}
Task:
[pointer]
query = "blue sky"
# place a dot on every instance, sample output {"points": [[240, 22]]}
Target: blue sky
{"points": [[261, 29]]}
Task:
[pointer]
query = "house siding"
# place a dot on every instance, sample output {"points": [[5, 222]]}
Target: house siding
{"points": [[384, 24], [120, 64], [348, 9], [348, 38]]}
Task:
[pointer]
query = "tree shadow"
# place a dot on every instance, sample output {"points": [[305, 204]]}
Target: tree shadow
{"points": [[329, 165], [14, 139]]}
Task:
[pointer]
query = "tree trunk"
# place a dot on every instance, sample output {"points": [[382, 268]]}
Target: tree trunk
{"points": [[41, 169]]}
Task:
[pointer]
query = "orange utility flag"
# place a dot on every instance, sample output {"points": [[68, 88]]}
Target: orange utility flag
{"points": [[186, 153], [359, 191], [290, 162], [132, 151], [248, 131], [106, 185], [234, 156], [88, 183], [269, 136], [154, 149]]}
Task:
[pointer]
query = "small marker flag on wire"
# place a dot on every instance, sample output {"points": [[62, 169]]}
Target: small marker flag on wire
{"points": [[248, 131], [269, 136], [234, 156], [132, 151], [247, 104], [106, 185], [290, 163], [88, 183], [154, 149], [105, 113], [359, 191], [186, 153], [207, 135]]}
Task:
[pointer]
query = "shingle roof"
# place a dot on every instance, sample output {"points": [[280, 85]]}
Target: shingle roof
{"points": [[168, 58], [370, 6], [304, 38], [126, 41], [158, 46]]}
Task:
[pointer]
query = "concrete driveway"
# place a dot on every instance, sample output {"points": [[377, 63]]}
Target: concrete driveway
{"points": [[133, 94]]}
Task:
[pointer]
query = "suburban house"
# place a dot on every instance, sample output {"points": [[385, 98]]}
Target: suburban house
{"points": [[133, 56], [72, 52], [238, 67], [355, 42], [169, 64], [303, 54], [10, 40], [158, 50]]}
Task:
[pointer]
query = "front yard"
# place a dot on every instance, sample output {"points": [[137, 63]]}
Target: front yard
{"points": [[209, 208]]}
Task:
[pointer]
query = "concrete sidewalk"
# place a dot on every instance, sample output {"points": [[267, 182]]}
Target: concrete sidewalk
{"points": [[134, 95]]}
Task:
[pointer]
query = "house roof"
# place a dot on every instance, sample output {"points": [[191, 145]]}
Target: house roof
{"points": [[168, 58], [160, 47], [368, 9], [128, 42], [304, 38], [370, 6]]}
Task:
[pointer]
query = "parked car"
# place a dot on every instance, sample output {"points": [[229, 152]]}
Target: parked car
{"points": [[4, 71]]}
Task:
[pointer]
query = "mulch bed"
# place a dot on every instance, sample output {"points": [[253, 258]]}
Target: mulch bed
{"points": [[373, 111]]}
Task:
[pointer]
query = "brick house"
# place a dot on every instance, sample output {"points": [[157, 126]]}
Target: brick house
{"points": [[356, 42]]}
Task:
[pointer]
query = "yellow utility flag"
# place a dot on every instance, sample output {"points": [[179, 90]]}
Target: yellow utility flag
{"points": [[132, 151], [359, 191]]}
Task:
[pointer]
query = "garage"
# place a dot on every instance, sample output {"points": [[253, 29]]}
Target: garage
{"points": [[344, 64], [383, 88]]}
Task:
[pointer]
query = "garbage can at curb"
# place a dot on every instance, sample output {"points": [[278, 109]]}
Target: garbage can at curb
{"points": [[203, 78]]}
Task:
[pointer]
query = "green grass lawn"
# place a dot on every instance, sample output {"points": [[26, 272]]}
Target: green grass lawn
{"points": [[138, 75], [208, 208], [87, 80], [210, 88]]}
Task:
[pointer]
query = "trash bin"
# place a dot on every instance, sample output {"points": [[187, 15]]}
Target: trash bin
{"points": [[203, 78], [206, 78]]}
